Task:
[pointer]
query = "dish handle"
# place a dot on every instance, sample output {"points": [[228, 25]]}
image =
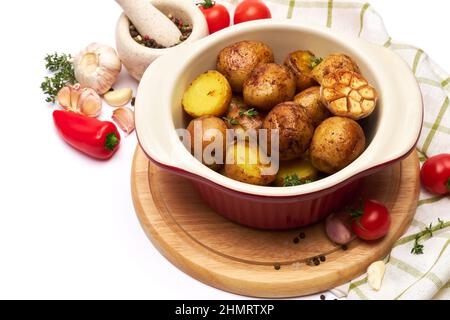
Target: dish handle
{"points": [[398, 133]]}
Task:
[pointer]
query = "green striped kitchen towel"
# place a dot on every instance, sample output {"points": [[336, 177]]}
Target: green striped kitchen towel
{"points": [[408, 276]]}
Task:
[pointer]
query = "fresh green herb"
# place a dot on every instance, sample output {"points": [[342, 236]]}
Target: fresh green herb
{"points": [[63, 73], [429, 230], [448, 184], [315, 61], [231, 121], [248, 113], [441, 224], [417, 248], [294, 180], [426, 234]]}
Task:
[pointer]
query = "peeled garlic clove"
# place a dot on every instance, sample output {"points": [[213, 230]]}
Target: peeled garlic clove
{"points": [[118, 98], [63, 97], [97, 67], [90, 103], [124, 117], [375, 275]]}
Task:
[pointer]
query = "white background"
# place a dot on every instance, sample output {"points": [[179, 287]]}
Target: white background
{"points": [[67, 224]]}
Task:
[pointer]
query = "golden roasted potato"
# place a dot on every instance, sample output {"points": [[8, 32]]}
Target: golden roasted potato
{"points": [[333, 63], [348, 94], [237, 61], [246, 165], [310, 100], [268, 85], [208, 95], [295, 129], [337, 142], [301, 64], [242, 118], [213, 132], [296, 172]]}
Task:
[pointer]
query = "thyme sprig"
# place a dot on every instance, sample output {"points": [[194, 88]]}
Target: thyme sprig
{"points": [[231, 121], [418, 247], [248, 113], [63, 73], [315, 61], [294, 180]]}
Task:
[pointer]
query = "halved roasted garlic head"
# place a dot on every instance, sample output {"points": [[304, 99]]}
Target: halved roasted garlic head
{"points": [[348, 94]]}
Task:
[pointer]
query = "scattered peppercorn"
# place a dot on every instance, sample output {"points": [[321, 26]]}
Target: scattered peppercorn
{"points": [[316, 261], [322, 297], [296, 240], [133, 101], [302, 235], [277, 267], [323, 258], [344, 247]]}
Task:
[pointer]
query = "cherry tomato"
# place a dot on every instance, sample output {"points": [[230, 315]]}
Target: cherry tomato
{"points": [[217, 16], [371, 223], [249, 10], [435, 174]]}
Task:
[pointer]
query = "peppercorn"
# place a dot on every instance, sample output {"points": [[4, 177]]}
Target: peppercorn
{"points": [[302, 235], [316, 261], [296, 240], [322, 297], [344, 247], [277, 267], [133, 101], [323, 258]]}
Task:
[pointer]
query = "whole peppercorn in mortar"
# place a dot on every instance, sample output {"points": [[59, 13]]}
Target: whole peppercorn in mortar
{"points": [[146, 41]]}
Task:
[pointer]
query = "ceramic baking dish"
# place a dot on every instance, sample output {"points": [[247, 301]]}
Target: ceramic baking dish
{"points": [[392, 131]]}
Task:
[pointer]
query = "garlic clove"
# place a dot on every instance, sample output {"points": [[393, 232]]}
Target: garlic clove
{"points": [[75, 92], [375, 275], [63, 97], [90, 103], [124, 117], [337, 227], [118, 98], [97, 67]]}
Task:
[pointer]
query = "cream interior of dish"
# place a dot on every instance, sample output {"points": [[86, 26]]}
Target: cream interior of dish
{"points": [[282, 42]]}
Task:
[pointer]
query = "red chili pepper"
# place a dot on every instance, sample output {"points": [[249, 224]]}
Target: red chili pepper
{"points": [[98, 139]]}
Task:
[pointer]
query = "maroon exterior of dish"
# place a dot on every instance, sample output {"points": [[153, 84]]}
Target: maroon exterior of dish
{"points": [[273, 214]]}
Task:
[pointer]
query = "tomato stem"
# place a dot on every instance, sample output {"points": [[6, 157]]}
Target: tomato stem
{"points": [[206, 4]]}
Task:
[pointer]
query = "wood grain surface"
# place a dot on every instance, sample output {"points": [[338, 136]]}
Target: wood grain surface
{"points": [[257, 263]]}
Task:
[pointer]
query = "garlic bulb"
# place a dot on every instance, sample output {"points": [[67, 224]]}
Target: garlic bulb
{"points": [[97, 67], [124, 117], [81, 100]]}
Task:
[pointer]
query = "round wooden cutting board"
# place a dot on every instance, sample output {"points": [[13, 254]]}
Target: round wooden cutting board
{"points": [[257, 263]]}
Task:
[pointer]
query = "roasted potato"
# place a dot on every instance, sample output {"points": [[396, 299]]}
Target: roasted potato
{"points": [[310, 100], [237, 61], [242, 118], [213, 133], [268, 85], [333, 63], [296, 172], [295, 129], [349, 94], [337, 142], [209, 94], [246, 166], [301, 65]]}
